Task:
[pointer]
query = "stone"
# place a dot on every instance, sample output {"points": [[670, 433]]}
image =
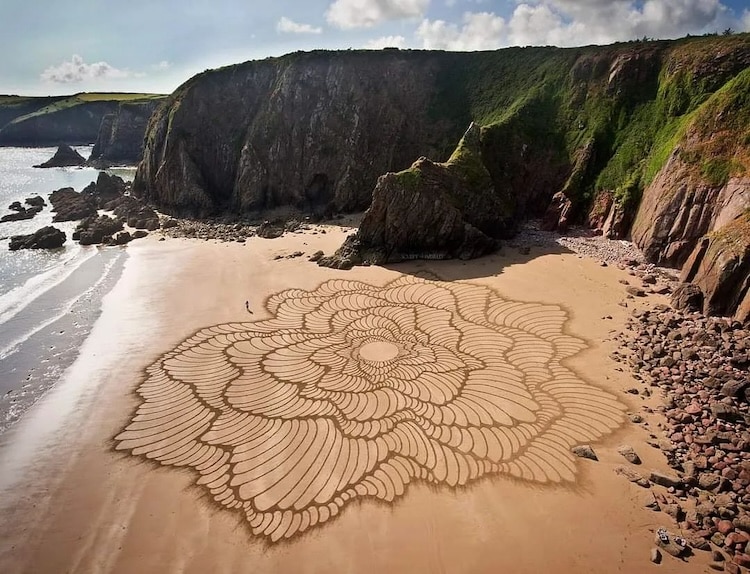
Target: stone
{"points": [[725, 526], [709, 481], [735, 388], [316, 256], [584, 451], [666, 480], [629, 454], [633, 476], [718, 566], [45, 238], [635, 291]]}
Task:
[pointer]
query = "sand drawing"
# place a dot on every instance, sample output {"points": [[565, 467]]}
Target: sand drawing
{"points": [[353, 391]]}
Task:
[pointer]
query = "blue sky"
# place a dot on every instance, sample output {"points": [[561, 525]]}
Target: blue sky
{"points": [[53, 47]]}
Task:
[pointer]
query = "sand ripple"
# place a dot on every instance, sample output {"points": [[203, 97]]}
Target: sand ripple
{"points": [[354, 391]]}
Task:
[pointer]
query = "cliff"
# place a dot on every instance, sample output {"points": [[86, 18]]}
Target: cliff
{"points": [[651, 132], [121, 134], [47, 121]]}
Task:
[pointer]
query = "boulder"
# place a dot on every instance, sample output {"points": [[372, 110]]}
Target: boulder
{"points": [[687, 296], [21, 214], [65, 156], [93, 230], [45, 238]]}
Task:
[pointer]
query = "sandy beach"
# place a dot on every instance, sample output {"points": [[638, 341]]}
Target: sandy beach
{"points": [[77, 493]]}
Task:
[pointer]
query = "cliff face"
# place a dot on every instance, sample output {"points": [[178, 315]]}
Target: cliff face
{"points": [[74, 120], [121, 134], [306, 130]]}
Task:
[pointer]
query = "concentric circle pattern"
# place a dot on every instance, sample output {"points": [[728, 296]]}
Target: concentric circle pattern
{"points": [[355, 391]]}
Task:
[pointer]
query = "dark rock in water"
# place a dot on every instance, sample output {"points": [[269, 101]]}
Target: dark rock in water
{"points": [[21, 214], [93, 230], [36, 201], [106, 189], [584, 451], [430, 211], [16, 206], [45, 238], [69, 205], [65, 156], [687, 296]]}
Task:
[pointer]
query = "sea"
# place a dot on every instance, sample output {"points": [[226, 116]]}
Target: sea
{"points": [[49, 299]]}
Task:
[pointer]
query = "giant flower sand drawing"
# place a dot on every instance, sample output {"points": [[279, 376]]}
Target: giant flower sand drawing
{"points": [[353, 391]]}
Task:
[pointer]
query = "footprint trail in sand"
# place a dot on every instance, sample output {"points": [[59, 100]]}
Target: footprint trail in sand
{"points": [[353, 391]]}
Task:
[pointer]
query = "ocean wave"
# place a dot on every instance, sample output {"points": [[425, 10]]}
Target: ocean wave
{"points": [[18, 298]]}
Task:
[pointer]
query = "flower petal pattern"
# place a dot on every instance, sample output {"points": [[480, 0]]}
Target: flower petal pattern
{"points": [[355, 391]]}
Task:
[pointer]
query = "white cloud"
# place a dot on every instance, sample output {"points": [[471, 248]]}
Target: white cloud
{"points": [[580, 22], [349, 14], [76, 71], [386, 42], [289, 26], [163, 65], [480, 31]]}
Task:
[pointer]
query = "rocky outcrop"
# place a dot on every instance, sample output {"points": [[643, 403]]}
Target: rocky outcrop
{"points": [[680, 207], [121, 133], [21, 212], [720, 266], [69, 205], [430, 211], [45, 238], [65, 156]]}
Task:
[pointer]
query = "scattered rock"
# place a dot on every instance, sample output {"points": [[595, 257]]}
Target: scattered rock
{"points": [[635, 291], [633, 476], [316, 256]]}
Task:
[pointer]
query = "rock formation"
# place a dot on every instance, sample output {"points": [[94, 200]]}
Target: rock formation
{"points": [[65, 156], [105, 189], [69, 205], [120, 138], [720, 266], [430, 211], [45, 238]]}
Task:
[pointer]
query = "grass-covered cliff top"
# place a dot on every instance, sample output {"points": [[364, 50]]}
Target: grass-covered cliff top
{"points": [[16, 109]]}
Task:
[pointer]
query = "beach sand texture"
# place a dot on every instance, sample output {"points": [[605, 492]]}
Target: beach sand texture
{"points": [[415, 418]]}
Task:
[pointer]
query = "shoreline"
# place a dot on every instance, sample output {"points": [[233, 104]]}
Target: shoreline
{"points": [[121, 513]]}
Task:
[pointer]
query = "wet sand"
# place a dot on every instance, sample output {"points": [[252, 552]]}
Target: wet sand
{"points": [[70, 502]]}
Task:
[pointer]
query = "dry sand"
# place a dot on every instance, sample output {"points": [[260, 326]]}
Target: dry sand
{"points": [[70, 502]]}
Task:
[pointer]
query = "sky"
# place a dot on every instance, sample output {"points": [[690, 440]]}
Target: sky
{"points": [[52, 47]]}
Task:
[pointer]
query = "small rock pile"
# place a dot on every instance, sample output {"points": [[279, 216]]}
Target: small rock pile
{"points": [[701, 366]]}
